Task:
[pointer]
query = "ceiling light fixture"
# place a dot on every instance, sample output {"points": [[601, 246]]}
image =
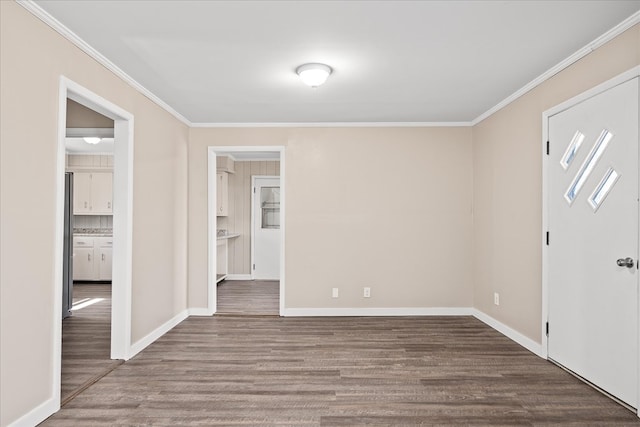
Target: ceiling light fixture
{"points": [[314, 74], [92, 140]]}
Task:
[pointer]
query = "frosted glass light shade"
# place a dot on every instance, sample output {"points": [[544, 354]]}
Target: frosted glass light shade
{"points": [[314, 74], [92, 140]]}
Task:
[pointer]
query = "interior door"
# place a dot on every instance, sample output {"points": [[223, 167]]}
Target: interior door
{"points": [[593, 240], [266, 228]]}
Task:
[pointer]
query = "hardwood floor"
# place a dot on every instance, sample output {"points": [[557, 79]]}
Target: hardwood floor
{"points": [[86, 339], [396, 371], [258, 297]]}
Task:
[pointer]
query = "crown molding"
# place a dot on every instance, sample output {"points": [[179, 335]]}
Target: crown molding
{"points": [[52, 22], [598, 42], [333, 125], [56, 25]]}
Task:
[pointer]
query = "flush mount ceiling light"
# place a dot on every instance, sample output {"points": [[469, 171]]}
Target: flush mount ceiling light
{"points": [[92, 140], [314, 74]]}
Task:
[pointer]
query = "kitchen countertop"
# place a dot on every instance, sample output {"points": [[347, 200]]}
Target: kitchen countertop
{"points": [[93, 234], [228, 236]]}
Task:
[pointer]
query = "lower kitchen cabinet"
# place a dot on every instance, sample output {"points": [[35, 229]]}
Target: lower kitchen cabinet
{"points": [[105, 263], [92, 258], [82, 263]]}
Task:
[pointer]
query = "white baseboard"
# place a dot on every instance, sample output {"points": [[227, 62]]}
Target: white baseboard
{"points": [[142, 343], [400, 311], [510, 333], [239, 277], [37, 414], [199, 311]]}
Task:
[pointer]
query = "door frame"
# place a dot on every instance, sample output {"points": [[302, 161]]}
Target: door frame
{"points": [[615, 81], [212, 220], [253, 220], [122, 223]]}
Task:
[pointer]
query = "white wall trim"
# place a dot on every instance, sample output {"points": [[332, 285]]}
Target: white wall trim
{"points": [[598, 42], [52, 22], [238, 277], [199, 311], [333, 125], [212, 225], [510, 333], [378, 311], [37, 414], [145, 341], [123, 219], [122, 207]]}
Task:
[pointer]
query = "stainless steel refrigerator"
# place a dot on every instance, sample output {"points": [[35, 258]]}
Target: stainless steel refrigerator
{"points": [[67, 267]]}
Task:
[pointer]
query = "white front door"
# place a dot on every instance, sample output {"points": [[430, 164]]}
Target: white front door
{"points": [[593, 240], [266, 228]]}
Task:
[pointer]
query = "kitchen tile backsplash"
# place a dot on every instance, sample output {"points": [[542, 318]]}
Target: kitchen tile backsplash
{"points": [[93, 223]]}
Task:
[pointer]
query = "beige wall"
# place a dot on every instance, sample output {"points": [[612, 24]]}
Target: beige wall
{"points": [[32, 58], [388, 208], [79, 116], [507, 159], [239, 219]]}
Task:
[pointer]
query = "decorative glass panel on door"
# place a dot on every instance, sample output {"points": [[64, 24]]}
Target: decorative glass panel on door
{"points": [[270, 207]]}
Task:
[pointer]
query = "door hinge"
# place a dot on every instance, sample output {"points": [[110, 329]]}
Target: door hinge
{"points": [[547, 148], [254, 266], [547, 238], [254, 190], [547, 328]]}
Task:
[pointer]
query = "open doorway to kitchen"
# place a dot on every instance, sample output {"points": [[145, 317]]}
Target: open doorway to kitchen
{"points": [[87, 264], [237, 289], [92, 321]]}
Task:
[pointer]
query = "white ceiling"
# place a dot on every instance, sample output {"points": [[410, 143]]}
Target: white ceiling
{"points": [[393, 61]]}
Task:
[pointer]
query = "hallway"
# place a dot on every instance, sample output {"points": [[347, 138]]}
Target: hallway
{"points": [[249, 297]]}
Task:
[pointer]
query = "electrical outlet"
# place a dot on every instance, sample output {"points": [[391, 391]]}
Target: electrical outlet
{"points": [[367, 292], [496, 298], [334, 293]]}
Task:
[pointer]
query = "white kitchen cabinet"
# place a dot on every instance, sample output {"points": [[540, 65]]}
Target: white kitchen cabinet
{"points": [[105, 262], [92, 193], [81, 193], [103, 250], [83, 263], [222, 194], [102, 192], [92, 258], [225, 164]]}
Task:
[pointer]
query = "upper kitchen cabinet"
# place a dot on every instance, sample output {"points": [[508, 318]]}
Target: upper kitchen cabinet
{"points": [[93, 193], [222, 194], [225, 164]]}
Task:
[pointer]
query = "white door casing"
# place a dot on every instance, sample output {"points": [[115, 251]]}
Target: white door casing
{"points": [[592, 202], [265, 228]]}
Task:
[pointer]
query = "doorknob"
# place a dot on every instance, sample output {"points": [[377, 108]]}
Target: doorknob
{"points": [[625, 262]]}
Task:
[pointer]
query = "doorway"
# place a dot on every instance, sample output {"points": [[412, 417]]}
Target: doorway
{"points": [[239, 293], [120, 312], [86, 324], [265, 228], [591, 203]]}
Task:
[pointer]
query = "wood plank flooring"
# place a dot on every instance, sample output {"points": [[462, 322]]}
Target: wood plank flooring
{"points": [[257, 297], [86, 339], [395, 371]]}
